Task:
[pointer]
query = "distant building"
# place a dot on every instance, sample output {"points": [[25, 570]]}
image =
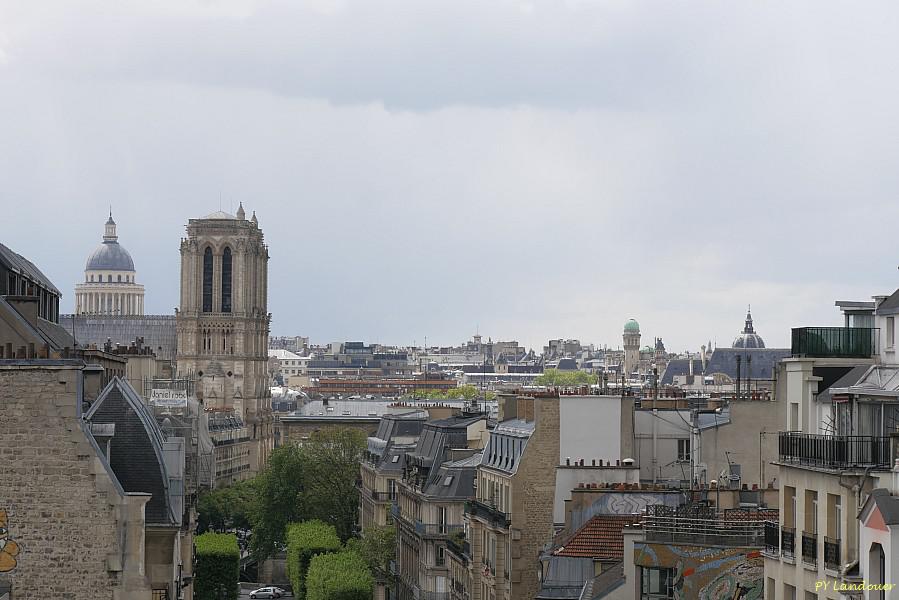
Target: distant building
{"points": [[631, 337], [109, 286]]}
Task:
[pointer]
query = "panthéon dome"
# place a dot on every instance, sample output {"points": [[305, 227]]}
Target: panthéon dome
{"points": [[110, 255]]}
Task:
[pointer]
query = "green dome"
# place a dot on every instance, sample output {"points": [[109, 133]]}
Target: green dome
{"points": [[631, 327]]}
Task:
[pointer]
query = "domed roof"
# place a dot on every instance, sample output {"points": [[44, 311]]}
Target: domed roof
{"points": [[110, 255], [749, 338], [631, 327]]}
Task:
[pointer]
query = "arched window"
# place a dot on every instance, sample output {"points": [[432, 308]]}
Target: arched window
{"points": [[108, 278], [226, 281], [207, 280], [120, 279]]}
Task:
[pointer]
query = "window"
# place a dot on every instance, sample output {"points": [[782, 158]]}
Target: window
{"points": [[395, 459], [657, 583], [109, 279], [891, 331], [448, 481], [226, 281], [120, 279], [683, 451], [207, 280]]}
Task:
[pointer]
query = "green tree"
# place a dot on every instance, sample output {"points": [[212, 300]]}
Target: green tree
{"points": [[217, 566], [227, 508], [554, 377], [278, 501], [304, 541], [377, 546], [331, 466], [340, 576]]}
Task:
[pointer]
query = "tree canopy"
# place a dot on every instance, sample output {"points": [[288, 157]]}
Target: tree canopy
{"points": [[377, 547], [340, 576], [305, 540], [554, 377], [217, 566]]}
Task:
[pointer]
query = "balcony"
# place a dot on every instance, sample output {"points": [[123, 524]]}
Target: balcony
{"points": [[701, 525], [831, 554], [489, 513], [772, 538], [835, 342], [837, 452], [810, 548], [382, 496], [788, 542], [423, 595], [437, 530]]}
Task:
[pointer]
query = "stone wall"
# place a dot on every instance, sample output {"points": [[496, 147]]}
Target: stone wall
{"points": [[63, 509], [532, 498]]}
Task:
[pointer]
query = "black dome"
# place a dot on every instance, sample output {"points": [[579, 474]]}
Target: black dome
{"points": [[110, 256], [749, 338]]}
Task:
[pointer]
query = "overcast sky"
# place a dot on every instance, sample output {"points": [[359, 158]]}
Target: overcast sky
{"points": [[531, 170]]}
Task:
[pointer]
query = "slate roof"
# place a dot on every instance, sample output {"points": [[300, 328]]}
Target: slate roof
{"points": [[600, 538], [136, 448], [52, 334], [679, 367], [724, 360], [890, 306], [455, 479], [159, 331], [846, 381], [887, 504], [18, 263]]}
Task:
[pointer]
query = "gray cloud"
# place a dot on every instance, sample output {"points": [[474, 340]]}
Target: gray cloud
{"points": [[533, 169]]}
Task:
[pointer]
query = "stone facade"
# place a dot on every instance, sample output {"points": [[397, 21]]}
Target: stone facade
{"points": [[223, 324], [512, 518], [79, 535]]}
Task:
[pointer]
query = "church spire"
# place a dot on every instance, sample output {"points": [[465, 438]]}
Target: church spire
{"points": [[240, 212]]}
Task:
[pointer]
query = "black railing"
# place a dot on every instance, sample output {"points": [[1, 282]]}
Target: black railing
{"points": [[772, 537], [382, 496], [788, 542], [835, 342], [831, 553], [489, 513], [436, 529], [834, 451], [810, 548]]}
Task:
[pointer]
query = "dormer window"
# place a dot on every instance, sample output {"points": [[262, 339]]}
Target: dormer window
{"points": [[448, 481]]}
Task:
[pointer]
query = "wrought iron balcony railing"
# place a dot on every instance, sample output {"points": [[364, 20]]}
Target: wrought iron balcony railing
{"points": [[788, 542], [489, 513], [835, 342], [834, 451], [831, 553], [772, 537], [436, 529], [810, 548], [383, 496]]}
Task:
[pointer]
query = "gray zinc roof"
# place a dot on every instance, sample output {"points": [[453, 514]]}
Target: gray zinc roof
{"points": [[18, 263], [724, 360], [890, 306]]}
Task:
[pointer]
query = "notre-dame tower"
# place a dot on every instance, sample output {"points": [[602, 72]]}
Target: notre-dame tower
{"points": [[223, 322]]}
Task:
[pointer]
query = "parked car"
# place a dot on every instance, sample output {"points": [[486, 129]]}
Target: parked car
{"points": [[267, 592], [280, 592]]}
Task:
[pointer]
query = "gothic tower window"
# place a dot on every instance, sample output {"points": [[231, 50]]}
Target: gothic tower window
{"points": [[207, 280], [226, 281]]}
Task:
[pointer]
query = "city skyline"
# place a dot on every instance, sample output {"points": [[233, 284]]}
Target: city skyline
{"points": [[554, 171]]}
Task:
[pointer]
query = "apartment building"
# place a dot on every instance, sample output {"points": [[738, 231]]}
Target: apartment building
{"points": [[511, 517], [437, 479], [841, 415], [382, 466]]}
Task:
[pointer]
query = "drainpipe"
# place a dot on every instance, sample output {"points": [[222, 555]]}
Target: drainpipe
{"points": [[655, 441]]}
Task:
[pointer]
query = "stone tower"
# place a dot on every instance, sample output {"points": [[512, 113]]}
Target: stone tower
{"points": [[223, 322], [631, 337]]}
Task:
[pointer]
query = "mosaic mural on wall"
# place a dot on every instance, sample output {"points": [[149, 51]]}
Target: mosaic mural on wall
{"points": [[8, 548], [706, 573]]}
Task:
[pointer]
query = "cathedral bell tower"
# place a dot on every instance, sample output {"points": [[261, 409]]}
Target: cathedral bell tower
{"points": [[223, 323]]}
